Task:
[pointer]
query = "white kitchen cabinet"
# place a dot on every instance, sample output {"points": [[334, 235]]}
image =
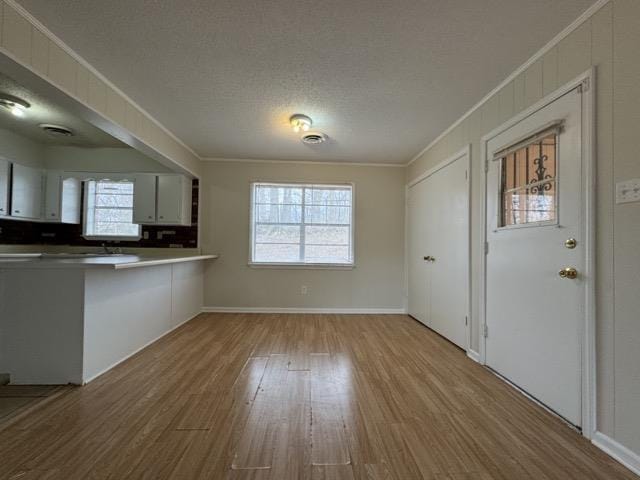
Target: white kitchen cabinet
{"points": [[5, 178], [174, 200], [144, 199], [26, 192], [62, 199], [162, 200]]}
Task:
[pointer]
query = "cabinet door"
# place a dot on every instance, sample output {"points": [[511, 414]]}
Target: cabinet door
{"points": [[169, 199], [26, 192], [144, 199], [5, 169], [52, 196]]}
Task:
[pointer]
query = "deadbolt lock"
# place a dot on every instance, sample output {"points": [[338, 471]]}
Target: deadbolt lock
{"points": [[570, 243], [568, 272]]}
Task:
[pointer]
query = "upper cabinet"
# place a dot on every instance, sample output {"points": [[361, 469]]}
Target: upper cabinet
{"points": [[26, 192], [174, 200], [162, 200], [62, 198], [5, 178], [144, 199]]}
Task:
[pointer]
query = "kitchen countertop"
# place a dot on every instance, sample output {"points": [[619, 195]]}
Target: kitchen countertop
{"points": [[112, 262]]}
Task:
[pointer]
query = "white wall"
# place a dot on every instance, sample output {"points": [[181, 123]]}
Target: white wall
{"points": [[609, 40], [20, 149], [375, 282], [78, 159]]}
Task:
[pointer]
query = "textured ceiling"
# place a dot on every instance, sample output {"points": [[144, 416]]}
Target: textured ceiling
{"points": [[44, 111], [380, 78]]}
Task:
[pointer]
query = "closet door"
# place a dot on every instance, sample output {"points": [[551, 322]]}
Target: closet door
{"points": [[448, 244], [418, 272], [438, 250]]}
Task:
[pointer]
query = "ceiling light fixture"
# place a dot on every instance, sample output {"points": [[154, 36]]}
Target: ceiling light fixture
{"points": [[15, 105], [300, 122]]}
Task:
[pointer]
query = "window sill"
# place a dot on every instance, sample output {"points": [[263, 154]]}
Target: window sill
{"points": [[303, 266], [112, 239]]}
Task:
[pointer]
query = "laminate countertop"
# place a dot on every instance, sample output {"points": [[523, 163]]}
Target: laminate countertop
{"points": [[112, 262]]}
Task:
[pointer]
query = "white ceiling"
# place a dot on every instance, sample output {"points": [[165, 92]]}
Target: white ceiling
{"points": [[380, 78], [42, 110]]}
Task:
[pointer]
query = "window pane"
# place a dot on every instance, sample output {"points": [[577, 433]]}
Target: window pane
{"points": [[115, 188], [328, 196], [110, 215], [273, 252], [328, 214], [279, 214], [327, 235], [125, 201], [528, 183], [277, 234], [327, 254], [278, 195]]}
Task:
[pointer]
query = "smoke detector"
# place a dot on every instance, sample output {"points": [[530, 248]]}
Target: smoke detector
{"points": [[56, 130], [314, 138]]}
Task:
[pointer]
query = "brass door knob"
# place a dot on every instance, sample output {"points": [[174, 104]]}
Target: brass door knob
{"points": [[568, 272]]}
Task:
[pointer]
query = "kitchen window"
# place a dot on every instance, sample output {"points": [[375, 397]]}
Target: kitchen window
{"points": [[301, 224], [108, 211]]}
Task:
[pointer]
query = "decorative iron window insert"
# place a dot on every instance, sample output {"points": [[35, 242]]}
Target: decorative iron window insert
{"points": [[109, 210], [528, 179], [301, 224]]}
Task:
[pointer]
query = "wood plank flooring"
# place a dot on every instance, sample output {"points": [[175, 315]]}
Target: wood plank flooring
{"points": [[278, 397]]}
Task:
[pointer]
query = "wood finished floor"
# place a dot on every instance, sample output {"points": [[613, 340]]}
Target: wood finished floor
{"points": [[234, 396]]}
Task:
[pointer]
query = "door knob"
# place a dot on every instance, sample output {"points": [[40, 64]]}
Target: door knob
{"points": [[568, 272]]}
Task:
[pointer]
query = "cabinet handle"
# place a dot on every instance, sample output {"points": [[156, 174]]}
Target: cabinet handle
{"points": [[161, 216], [1, 209], [16, 211]]}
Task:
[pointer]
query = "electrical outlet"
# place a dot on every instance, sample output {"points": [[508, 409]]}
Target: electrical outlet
{"points": [[628, 191], [303, 290]]}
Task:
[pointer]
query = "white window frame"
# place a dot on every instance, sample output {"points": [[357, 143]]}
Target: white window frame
{"points": [[301, 265], [85, 209]]}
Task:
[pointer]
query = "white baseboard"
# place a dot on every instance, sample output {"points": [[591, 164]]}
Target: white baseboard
{"points": [[342, 311], [626, 457], [473, 355]]}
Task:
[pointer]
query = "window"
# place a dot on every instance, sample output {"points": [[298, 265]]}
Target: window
{"points": [[109, 210], [302, 224], [528, 181]]}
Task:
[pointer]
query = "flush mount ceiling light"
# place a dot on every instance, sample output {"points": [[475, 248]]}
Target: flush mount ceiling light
{"points": [[56, 130], [314, 138], [15, 105], [300, 122]]}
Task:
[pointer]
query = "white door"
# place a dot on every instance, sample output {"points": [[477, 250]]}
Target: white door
{"points": [[448, 245], [169, 199], [26, 192], [5, 175], [535, 232], [418, 268], [438, 250], [144, 199]]}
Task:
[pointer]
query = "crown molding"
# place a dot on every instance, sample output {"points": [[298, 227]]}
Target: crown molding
{"points": [[301, 162]]}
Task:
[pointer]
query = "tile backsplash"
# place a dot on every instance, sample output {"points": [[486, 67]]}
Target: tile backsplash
{"points": [[13, 232]]}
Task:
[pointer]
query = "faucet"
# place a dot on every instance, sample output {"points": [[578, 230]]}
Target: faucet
{"points": [[111, 251]]}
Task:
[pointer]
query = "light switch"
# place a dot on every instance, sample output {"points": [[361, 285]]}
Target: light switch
{"points": [[628, 191]]}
